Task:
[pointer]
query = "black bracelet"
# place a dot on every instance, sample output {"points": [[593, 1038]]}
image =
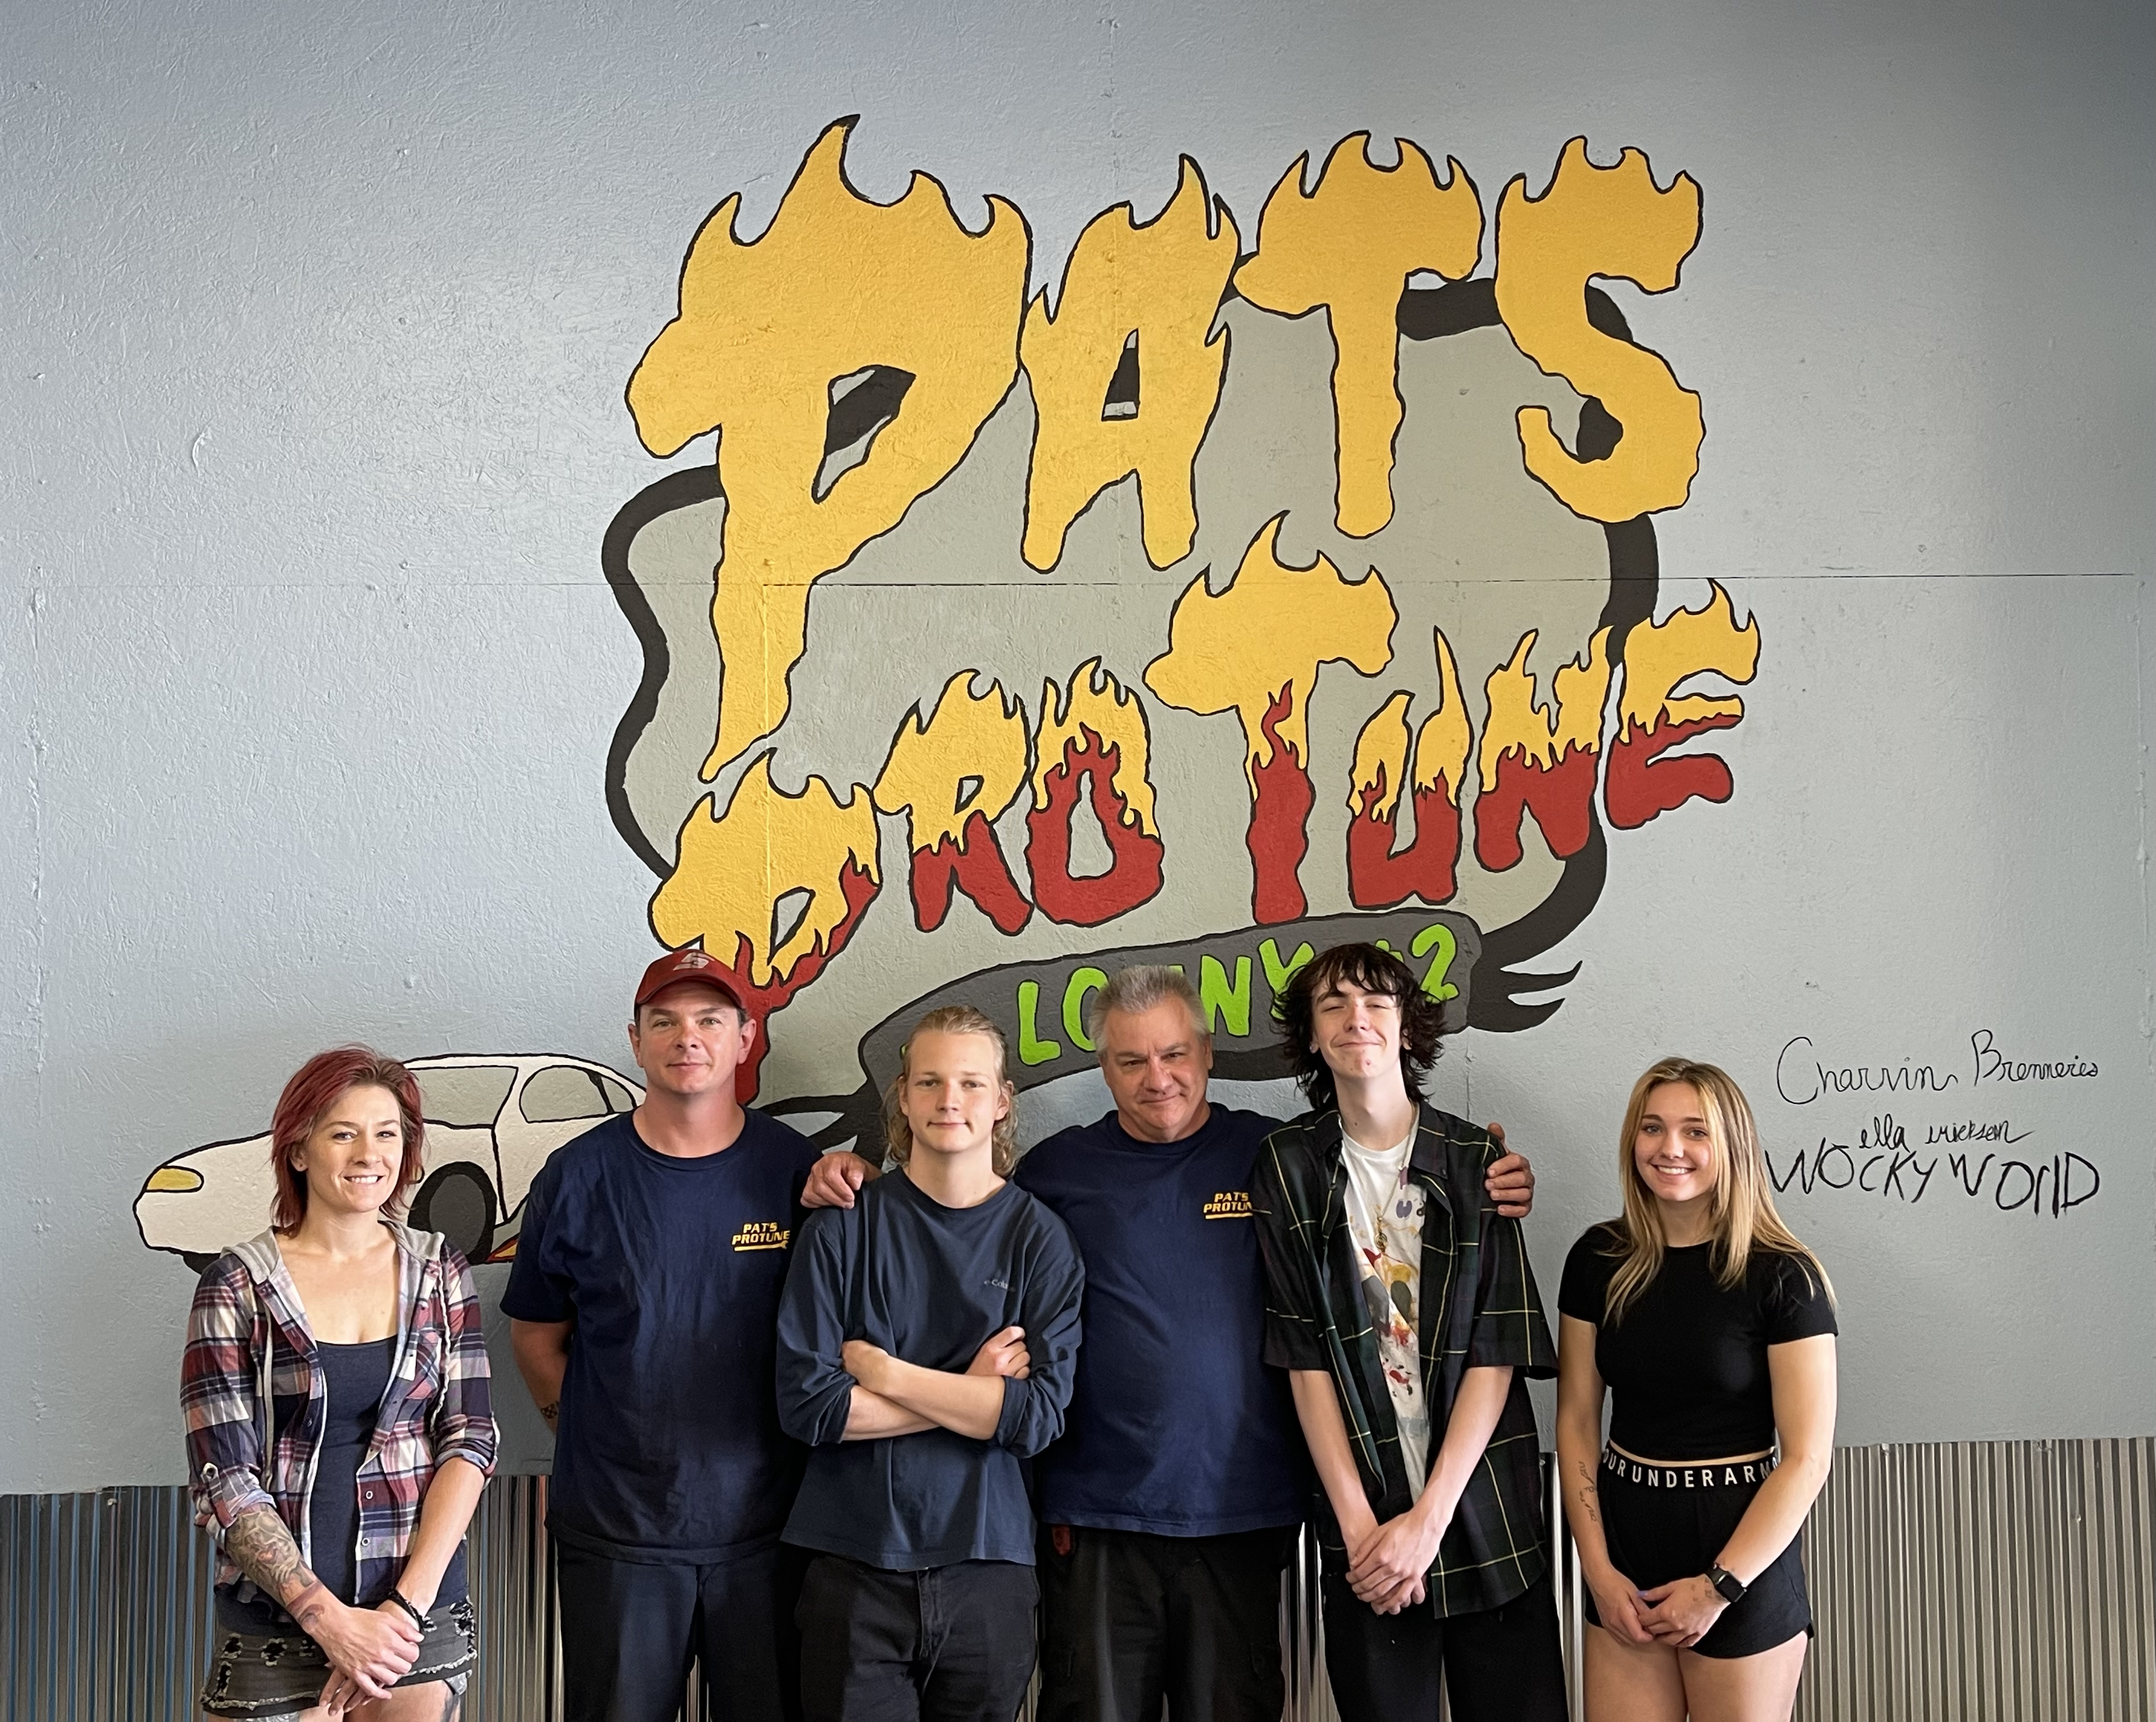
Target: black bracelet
{"points": [[405, 1603]]}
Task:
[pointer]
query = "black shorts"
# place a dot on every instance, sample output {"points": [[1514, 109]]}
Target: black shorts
{"points": [[1670, 1521]]}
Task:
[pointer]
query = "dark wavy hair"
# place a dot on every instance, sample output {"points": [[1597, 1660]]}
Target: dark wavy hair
{"points": [[1375, 970]]}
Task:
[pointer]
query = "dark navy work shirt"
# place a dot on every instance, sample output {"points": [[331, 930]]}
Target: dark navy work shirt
{"points": [[1177, 1426], [668, 1448], [929, 1284]]}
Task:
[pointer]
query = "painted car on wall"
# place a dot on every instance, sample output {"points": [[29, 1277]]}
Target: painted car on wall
{"points": [[491, 1121]]}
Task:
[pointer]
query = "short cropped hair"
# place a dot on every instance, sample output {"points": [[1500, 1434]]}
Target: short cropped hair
{"points": [[950, 1020], [1375, 970], [316, 1086], [1138, 988]]}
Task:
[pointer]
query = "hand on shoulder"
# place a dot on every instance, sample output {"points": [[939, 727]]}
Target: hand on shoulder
{"points": [[835, 1179], [1509, 1178]]}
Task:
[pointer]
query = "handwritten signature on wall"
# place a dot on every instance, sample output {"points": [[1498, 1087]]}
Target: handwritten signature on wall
{"points": [[1881, 1163], [1976, 1153], [1801, 1076]]}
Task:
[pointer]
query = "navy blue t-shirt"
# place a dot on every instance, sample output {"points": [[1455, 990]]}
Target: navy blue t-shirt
{"points": [[930, 1285], [1177, 1426], [668, 1448]]}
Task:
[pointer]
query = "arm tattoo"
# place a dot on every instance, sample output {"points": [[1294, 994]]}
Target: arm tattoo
{"points": [[259, 1543], [1588, 1493], [549, 1413]]}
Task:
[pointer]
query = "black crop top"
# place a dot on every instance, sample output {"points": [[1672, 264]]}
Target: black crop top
{"points": [[1686, 1364]]}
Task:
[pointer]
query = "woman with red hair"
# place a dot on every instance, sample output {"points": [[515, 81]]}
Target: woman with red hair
{"points": [[336, 1364]]}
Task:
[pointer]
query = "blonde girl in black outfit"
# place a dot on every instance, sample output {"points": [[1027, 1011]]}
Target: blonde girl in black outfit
{"points": [[1713, 1328]]}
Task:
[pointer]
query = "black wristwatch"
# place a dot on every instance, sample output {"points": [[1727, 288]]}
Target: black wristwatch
{"points": [[1728, 1585]]}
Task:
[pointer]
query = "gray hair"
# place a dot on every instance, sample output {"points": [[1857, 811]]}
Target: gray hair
{"points": [[1138, 988]]}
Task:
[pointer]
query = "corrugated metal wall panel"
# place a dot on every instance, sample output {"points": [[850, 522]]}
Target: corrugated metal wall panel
{"points": [[519, 1677], [1994, 1581], [1977, 1582], [106, 1616]]}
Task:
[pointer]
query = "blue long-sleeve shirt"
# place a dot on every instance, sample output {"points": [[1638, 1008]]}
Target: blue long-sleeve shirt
{"points": [[928, 1284]]}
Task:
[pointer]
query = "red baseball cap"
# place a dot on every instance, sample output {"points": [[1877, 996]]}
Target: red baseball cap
{"points": [[688, 964]]}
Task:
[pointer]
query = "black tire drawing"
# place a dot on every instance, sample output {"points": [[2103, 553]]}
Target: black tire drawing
{"points": [[458, 1201]]}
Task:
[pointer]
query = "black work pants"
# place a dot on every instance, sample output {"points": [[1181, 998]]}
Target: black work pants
{"points": [[630, 1629], [1129, 1619], [946, 1644], [1499, 1665]]}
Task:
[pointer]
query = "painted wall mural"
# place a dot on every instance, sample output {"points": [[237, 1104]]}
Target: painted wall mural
{"points": [[1183, 526], [1252, 589], [1223, 605], [492, 1120], [908, 596]]}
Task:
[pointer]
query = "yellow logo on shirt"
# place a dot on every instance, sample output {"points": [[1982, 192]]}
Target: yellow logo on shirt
{"points": [[762, 1235], [1228, 1205]]}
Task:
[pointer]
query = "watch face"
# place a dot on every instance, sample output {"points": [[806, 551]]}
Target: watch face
{"points": [[1728, 1584]]}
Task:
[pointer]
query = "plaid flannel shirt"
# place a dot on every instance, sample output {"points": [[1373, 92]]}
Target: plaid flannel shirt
{"points": [[246, 1449], [1478, 1306]]}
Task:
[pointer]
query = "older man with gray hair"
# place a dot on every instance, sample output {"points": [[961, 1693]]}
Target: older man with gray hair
{"points": [[1167, 1511]]}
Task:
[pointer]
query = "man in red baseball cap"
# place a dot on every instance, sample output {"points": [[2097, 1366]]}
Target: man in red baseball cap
{"points": [[643, 1305], [690, 967]]}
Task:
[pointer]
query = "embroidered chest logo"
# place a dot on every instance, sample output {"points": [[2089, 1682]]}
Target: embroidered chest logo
{"points": [[1228, 1205], [763, 1235]]}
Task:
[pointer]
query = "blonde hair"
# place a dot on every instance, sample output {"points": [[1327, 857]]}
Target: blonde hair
{"points": [[1740, 1207], [952, 1019]]}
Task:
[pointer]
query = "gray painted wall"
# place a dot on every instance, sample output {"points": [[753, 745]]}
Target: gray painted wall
{"points": [[316, 332]]}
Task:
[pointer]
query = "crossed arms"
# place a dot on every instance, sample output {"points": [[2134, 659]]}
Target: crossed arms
{"points": [[892, 1397], [836, 1385]]}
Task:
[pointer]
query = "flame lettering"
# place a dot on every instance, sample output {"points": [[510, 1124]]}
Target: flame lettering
{"points": [[1350, 245], [1157, 283], [1601, 221], [1541, 764], [1378, 877], [1092, 741], [954, 778], [835, 286], [1651, 721], [772, 335], [735, 869], [1256, 650]]}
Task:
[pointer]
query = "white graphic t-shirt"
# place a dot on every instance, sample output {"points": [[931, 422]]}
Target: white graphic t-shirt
{"points": [[1385, 1219]]}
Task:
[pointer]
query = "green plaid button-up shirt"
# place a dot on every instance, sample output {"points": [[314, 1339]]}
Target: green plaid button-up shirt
{"points": [[1478, 1305]]}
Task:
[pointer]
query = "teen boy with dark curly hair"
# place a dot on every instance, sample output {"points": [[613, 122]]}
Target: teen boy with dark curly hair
{"points": [[1403, 1308]]}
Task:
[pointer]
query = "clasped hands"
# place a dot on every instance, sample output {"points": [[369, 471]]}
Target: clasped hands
{"points": [[1388, 1564], [369, 1649], [1676, 1615]]}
